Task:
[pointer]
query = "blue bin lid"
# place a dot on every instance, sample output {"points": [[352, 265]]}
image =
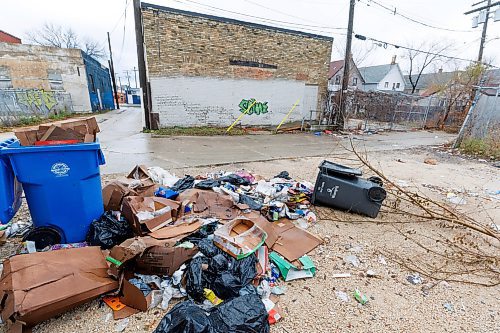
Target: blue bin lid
{"points": [[10, 188]]}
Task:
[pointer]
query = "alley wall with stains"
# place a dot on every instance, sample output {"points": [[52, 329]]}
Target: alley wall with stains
{"points": [[204, 70], [40, 80]]}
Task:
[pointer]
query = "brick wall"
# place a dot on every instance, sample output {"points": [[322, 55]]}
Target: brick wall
{"points": [[184, 44]]}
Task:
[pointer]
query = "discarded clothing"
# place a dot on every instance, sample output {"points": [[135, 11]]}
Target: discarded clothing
{"points": [[183, 184]]}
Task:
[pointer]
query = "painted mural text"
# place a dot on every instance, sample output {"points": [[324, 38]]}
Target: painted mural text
{"points": [[258, 108]]}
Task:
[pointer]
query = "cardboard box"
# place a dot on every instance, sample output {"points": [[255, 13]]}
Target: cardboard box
{"points": [[131, 206], [113, 194], [82, 130], [161, 260], [240, 237], [35, 287]]}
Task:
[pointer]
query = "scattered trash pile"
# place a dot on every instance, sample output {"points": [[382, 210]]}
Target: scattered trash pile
{"points": [[224, 243]]}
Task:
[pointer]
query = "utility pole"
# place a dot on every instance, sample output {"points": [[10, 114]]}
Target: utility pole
{"points": [[139, 39], [127, 75], [112, 69], [485, 24], [120, 82], [135, 76], [483, 35], [345, 76]]}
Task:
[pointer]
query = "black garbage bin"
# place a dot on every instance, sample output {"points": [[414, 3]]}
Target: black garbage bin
{"points": [[341, 187]]}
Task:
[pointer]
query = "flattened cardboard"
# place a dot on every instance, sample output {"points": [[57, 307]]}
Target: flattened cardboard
{"points": [[209, 203], [35, 287], [134, 204], [27, 136], [289, 271], [178, 231], [293, 242]]}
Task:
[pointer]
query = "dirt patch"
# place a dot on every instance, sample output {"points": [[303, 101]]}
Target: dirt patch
{"points": [[395, 304]]}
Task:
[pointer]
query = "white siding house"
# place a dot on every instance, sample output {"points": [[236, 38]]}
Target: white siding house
{"points": [[383, 78]]}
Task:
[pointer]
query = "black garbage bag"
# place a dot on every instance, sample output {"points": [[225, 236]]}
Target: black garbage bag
{"points": [[201, 234], [185, 317], [226, 285], [108, 231], [241, 314], [284, 175], [245, 269], [208, 184], [196, 279], [218, 263], [208, 248], [234, 179], [245, 199], [183, 184]]}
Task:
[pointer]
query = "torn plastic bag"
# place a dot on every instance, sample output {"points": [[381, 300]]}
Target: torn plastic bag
{"points": [[185, 317], [183, 184], [208, 184], [166, 193], [234, 180], [245, 199], [242, 314], [284, 175], [108, 231]]}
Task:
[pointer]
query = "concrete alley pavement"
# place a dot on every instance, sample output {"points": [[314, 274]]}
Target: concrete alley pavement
{"points": [[124, 145]]}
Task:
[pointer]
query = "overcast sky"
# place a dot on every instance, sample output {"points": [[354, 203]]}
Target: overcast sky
{"points": [[93, 18]]}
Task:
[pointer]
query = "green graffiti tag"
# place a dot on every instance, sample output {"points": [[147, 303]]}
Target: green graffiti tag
{"points": [[257, 109]]}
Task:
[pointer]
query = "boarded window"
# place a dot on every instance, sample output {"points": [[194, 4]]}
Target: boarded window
{"points": [[55, 80], [5, 81]]}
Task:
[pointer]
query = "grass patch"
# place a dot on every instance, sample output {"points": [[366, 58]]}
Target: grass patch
{"points": [[487, 147], [197, 131]]}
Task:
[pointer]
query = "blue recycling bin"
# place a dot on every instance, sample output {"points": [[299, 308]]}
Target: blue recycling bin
{"points": [[62, 185]]}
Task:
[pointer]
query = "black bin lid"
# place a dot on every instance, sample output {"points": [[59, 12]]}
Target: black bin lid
{"points": [[330, 167]]}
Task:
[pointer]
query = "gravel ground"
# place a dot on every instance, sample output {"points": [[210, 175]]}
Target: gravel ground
{"points": [[395, 305]]}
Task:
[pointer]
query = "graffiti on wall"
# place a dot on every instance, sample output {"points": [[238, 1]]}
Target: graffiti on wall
{"points": [[35, 98], [15, 103], [257, 108]]}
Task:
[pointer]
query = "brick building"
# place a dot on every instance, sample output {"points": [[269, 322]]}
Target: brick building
{"points": [[5, 37], [207, 70], [43, 80]]}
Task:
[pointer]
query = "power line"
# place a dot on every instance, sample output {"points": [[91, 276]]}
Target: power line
{"points": [[385, 44], [263, 18], [277, 11], [395, 12]]}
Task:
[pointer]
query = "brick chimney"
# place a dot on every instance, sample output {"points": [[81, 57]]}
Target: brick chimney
{"points": [[393, 61], [440, 70]]}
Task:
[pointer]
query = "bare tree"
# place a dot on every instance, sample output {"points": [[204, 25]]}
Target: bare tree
{"points": [[458, 90], [421, 57], [58, 36]]}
